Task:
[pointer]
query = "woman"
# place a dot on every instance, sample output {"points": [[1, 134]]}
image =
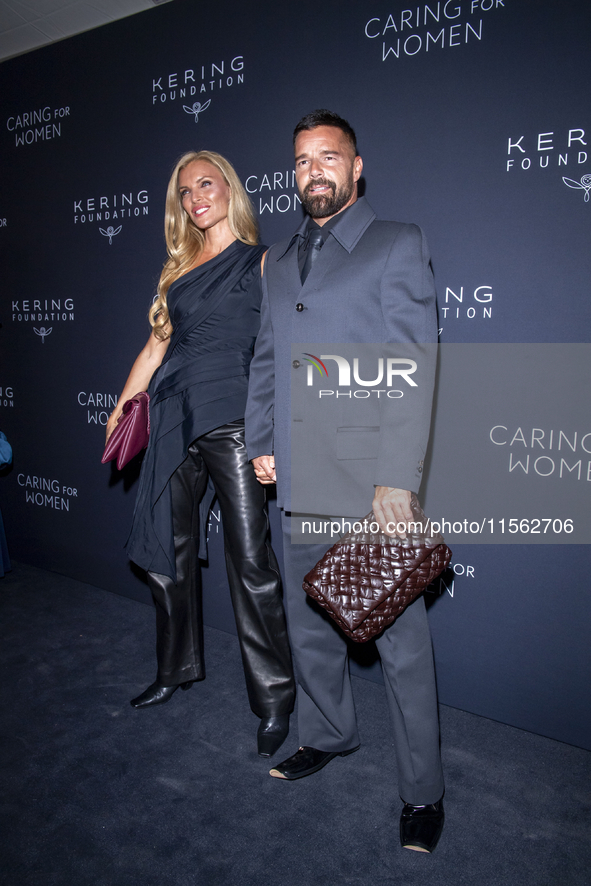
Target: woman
{"points": [[195, 367]]}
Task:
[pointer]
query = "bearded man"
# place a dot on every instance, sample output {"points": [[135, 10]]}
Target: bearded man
{"points": [[345, 277]]}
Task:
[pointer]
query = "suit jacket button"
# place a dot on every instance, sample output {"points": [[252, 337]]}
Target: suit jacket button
{"points": [[420, 470], [299, 307], [296, 364]]}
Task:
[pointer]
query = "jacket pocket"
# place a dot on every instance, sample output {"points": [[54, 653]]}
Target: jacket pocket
{"points": [[358, 442]]}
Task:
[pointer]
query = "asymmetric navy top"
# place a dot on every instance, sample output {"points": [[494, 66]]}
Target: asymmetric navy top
{"points": [[200, 385]]}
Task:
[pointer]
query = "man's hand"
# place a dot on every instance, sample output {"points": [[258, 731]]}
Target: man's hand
{"points": [[392, 506], [264, 468]]}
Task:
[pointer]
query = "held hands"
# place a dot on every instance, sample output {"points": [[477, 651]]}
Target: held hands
{"points": [[392, 506], [264, 468]]}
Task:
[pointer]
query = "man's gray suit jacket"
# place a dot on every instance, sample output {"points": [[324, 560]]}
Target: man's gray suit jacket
{"points": [[371, 283]]}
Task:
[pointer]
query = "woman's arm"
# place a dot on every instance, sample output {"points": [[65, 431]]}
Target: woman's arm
{"points": [[148, 361]]}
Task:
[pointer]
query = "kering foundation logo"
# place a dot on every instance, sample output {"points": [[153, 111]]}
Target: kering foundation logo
{"points": [[125, 204], [583, 185], [43, 332], [429, 27], [111, 232], [196, 81], [390, 368], [6, 396], [197, 108], [549, 150], [38, 310], [214, 522], [465, 302]]}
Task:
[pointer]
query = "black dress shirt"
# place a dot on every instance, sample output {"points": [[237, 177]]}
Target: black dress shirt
{"points": [[325, 228]]}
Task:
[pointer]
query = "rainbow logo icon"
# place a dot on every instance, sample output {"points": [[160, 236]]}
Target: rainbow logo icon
{"points": [[317, 362]]}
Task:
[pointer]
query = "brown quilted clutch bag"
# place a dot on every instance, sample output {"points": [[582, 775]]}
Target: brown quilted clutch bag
{"points": [[368, 578]]}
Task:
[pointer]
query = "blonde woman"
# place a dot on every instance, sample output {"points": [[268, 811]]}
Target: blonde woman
{"points": [[195, 367]]}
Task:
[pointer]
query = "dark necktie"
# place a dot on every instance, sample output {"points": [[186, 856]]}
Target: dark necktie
{"points": [[315, 243]]}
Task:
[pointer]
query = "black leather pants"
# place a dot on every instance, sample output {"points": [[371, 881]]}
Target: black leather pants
{"points": [[253, 575]]}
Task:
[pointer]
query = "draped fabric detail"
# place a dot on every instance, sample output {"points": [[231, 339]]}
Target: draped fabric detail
{"points": [[200, 385]]}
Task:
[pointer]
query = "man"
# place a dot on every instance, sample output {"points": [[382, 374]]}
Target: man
{"points": [[345, 277]]}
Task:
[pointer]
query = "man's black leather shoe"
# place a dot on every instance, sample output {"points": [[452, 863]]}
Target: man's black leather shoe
{"points": [[421, 826], [157, 694], [305, 761], [271, 734]]}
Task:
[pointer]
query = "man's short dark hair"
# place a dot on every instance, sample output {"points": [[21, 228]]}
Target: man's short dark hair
{"points": [[323, 117]]}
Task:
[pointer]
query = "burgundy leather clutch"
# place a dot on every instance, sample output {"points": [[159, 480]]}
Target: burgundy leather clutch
{"points": [[368, 578], [132, 432]]}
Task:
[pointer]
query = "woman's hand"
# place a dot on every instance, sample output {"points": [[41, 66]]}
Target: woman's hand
{"points": [[113, 421], [148, 361]]}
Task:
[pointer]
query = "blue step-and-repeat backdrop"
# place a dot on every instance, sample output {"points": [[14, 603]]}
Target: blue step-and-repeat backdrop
{"points": [[474, 121]]}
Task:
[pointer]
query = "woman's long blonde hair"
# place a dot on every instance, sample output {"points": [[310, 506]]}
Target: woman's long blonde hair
{"points": [[184, 240]]}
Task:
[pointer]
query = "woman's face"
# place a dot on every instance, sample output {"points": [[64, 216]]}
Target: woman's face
{"points": [[204, 194]]}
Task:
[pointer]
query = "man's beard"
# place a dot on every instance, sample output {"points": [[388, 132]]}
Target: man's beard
{"points": [[326, 205]]}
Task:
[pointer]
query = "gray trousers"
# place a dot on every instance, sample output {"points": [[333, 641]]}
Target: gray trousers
{"points": [[326, 712]]}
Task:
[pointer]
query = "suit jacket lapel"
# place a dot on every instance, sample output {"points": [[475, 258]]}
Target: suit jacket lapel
{"points": [[345, 235], [330, 255]]}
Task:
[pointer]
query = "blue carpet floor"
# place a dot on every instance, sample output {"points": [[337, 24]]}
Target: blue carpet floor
{"points": [[97, 793]]}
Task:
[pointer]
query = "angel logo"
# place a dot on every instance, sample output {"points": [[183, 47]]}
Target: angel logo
{"points": [[583, 185], [43, 332], [196, 108], [110, 232]]}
